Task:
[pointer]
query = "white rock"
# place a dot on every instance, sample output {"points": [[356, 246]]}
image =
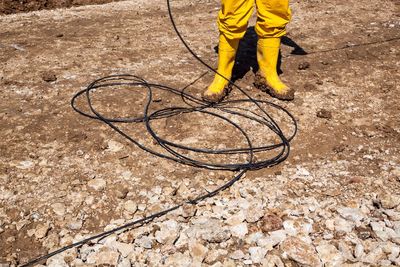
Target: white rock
{"points": [[346, 251], [293, 227], [58, 209], [41, 230], [396, 227], [178, 260], [329, 255], [239, 230], [182, 241], [104, 256], [56, 261], [130, 206], [305, 238], [124, 263], [142, 207], [359, 251], [374, 256], [26, 164], [114, 146], [390, 201], [168, 232], [236, 219], [328, 236], [384, 233], [300, 252], [197, 251], [6, 194], [254, 237], [272, 261], [257, 254], [396, 171], [75, 224], [330, 224], [244, 204], [290, 228], [393, 215], [144, 242], [208, 229], [254, 213], [109, 241], [352, 214], [307, 228], [213, 255], [215, 236], [89, 200], [97, 184], [385, 263], [342, 225], [276, 237], [266, 243], [188, 210], [86, 250], [248, 262], [397, 261], [51, 242], [19, 225], [378, 226], [66, 240], [183, 191], [394, 236], [394, 253], [237, 255], [75, 262], [127, 175], [123, 248], [302, 171]]}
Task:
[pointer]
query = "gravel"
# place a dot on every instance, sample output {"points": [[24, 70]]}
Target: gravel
{"points": [[334, 202]]}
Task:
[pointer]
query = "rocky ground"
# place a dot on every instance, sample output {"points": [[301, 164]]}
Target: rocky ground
{"points": [[334, 202]]}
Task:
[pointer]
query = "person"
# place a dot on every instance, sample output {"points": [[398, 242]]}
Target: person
{"points": [[272, 17]]}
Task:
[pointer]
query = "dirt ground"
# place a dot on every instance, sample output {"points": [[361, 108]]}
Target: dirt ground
{"points": [[11, 6], [72, 176]]}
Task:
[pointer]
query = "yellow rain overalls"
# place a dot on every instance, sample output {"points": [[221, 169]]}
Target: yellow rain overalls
{"points": [[272, 17]]}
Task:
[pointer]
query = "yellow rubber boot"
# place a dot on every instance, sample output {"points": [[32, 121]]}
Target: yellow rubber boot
{"points": [[226, 59], [267, 78]]}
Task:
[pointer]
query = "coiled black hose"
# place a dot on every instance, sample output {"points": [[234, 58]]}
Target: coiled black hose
{"points": [[280, 149]]}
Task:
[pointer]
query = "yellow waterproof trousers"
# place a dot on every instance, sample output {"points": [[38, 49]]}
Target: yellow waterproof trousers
{"points": [[272, 17]]}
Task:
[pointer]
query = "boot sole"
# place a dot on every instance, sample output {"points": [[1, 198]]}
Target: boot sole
{"points": [[261, 83], [217, 97]]}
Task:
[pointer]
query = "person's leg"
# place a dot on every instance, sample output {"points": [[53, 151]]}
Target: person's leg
{"points": [[272, 17], [232, 23]]}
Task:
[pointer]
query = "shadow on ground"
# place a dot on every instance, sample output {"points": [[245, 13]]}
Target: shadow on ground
{"points": [[246, 58]]}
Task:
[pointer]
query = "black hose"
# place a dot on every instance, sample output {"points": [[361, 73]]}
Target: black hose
{"points": [[280, 149]]}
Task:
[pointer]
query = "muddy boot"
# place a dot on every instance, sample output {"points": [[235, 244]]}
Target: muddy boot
{"points": [[267, 78], [226, 59]]}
